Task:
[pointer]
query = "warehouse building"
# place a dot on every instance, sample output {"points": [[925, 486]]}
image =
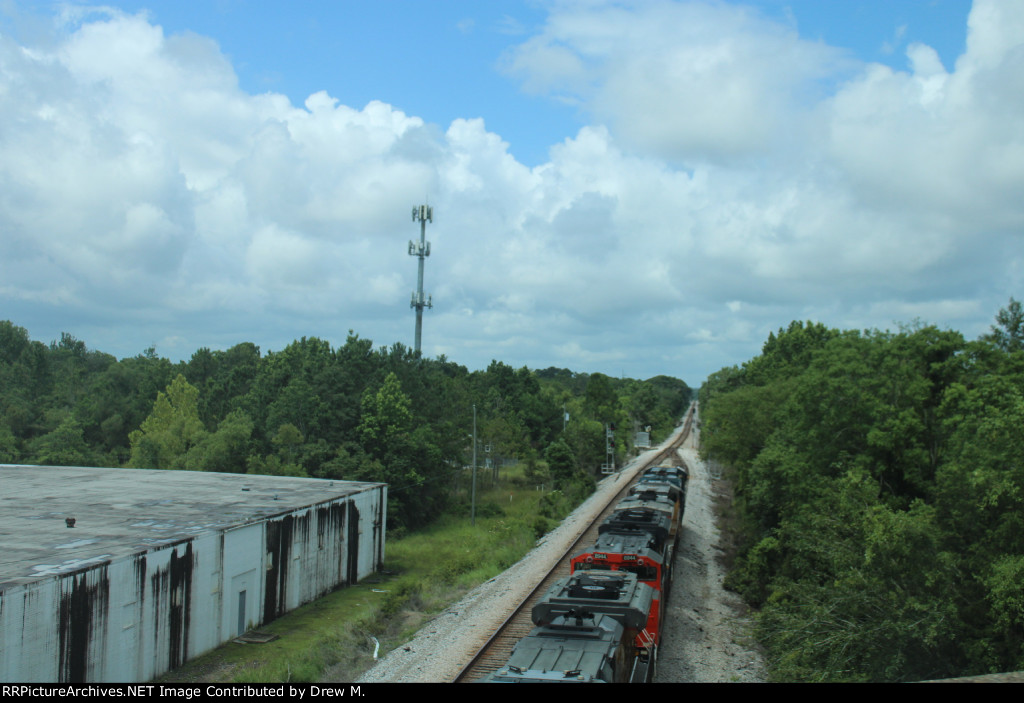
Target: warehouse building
{"points": [[119, 575]]}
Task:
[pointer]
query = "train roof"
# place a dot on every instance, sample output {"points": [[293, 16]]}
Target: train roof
{"points": [[646, 501], [637, 517], [678, 481], [655, 526], [615, 593], [657, 488], [570, 650], [610, 543], [616, 543], [677, 470], [675, 473]]}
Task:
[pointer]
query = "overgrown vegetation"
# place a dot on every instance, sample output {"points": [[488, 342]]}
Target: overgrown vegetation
{"points": [[880, 492], [352, 412]]}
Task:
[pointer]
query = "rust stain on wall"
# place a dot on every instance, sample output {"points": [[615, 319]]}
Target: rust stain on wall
{"points": [[175, 584], [83, 610], [353, 544]]}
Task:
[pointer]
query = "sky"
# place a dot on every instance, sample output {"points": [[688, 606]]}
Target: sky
{"points": [[631, 188]]}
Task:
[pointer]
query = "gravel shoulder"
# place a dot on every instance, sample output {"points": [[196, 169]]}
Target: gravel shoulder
{"points": [[705, 639], [703, 630]]}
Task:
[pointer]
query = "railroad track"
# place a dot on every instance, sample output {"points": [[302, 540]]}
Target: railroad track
{"points": [[496, 651]]}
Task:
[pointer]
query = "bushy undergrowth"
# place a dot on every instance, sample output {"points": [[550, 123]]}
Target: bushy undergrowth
{"points": [[879, 499]]}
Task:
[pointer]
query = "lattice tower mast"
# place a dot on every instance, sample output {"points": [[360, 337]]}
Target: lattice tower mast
{"points": [[422, 214]]}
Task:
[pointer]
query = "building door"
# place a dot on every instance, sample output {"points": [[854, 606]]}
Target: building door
{"points": [[241, 613]]}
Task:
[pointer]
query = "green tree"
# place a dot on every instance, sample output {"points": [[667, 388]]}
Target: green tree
{"points": [[226, 450], [298, 405], [385, 416], [118, 399], [865, 499], [1004, 593], [1009, 334], [407, 459], [586, 438], [9, 452], [223, 378], [572, 484], [64, 446], [171, 430], [601, 402], [561, 462], [788, 353]]}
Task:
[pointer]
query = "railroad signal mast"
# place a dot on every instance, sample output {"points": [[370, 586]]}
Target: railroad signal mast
{"points": [[608, 467], [422, 214]]}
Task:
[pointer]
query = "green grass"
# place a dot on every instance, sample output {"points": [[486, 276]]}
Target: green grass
{"points": [[423, 574]]}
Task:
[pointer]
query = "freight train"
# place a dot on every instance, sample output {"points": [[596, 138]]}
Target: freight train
{"points": [[603, 623]]}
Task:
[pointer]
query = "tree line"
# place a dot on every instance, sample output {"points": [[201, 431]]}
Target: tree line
{"points": [[353, 412], [879, 486]]}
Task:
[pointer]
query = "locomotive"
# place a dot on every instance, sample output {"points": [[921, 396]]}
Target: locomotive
{"points": [[587, 627], [604, 622]]}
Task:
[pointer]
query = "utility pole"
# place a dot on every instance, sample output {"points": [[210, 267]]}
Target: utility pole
{"points": [[422, 214]]}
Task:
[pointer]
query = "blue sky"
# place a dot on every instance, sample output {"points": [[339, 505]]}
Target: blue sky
{"points": [[444, 60], [627, 187]]}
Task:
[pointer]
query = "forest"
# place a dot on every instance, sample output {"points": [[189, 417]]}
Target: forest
{"points": [[355, 412], [879, 493]]}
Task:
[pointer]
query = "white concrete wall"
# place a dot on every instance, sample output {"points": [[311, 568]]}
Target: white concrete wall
{"points": [[132, 619]]}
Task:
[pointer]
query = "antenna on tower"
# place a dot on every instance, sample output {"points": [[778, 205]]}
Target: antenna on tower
{"points": [[422, 214]]}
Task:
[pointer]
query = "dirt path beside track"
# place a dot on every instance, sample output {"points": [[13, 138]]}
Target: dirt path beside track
{"points": [[706, 637]]}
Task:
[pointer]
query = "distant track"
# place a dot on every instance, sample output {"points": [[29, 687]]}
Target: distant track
{"points": [[494, 650]]}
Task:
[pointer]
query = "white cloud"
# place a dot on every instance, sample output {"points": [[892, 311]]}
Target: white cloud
{"points": [[682, 80], [945, 143], [736, 177]]}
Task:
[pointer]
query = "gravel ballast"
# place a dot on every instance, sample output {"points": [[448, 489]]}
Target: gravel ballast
{"points": [[705, 637]]}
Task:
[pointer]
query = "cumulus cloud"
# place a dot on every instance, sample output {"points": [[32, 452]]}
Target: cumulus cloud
{"points": [[881, 186], [733, 176], [682, 80]]}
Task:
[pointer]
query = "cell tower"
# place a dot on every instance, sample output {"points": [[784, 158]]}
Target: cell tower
{"points": [[422, 214]]}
